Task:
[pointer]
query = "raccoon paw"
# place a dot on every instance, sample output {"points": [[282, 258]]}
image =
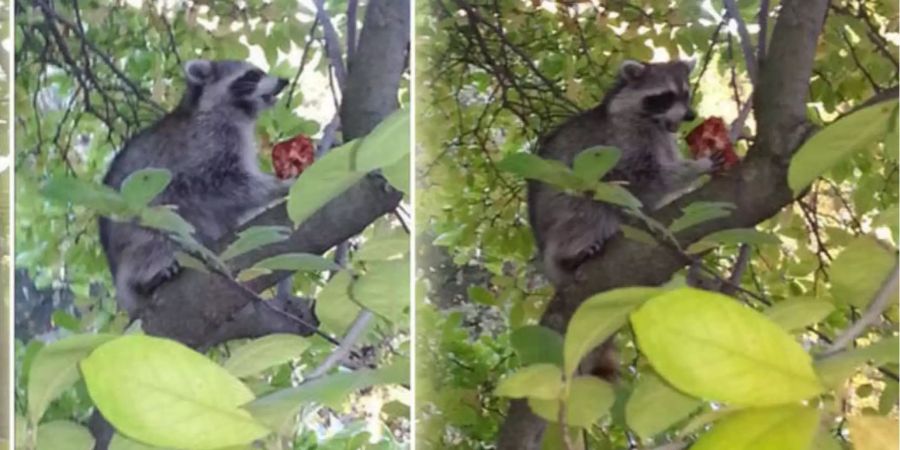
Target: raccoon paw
{"points": [[719, 159], [161, 277]]}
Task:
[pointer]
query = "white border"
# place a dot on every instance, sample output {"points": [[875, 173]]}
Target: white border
{"points": [[412, 222], [11, 77]]}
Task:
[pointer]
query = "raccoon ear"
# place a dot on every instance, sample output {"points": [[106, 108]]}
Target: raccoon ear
{"points": [[690, 64], [631, 70], [198, 71]]}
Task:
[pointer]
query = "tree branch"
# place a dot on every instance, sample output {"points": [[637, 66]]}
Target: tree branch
{"points": [[746, 45]]}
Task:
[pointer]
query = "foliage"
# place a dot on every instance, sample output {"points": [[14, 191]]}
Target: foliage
{"points": [[494, 76], [90, 75]]}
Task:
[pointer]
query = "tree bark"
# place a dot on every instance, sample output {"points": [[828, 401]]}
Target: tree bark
{"points": [[758, 188]]}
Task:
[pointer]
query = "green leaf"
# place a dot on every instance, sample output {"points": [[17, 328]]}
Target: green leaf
{"points": [[398, 174], [62, 434], [615, 194], [589, 399], [543, 381], [321, 182], [536, 345], [165, 394], [297, 262], [798, 313], [480, 295], [711, 347], [99, 198], [699, 212], [384, 289], [837, 368], [592, 164], [636, 234], [383, 247], [262, 353], [534, 167], [598, 318], [55, 369], [166, 219], [277, 408], [849, 284], [654, 406], [334, 308], [836, 142], [142, 186], [874, 433], [255, 237], [890, 218], [386, 144], [734, 236], [786, 427]]}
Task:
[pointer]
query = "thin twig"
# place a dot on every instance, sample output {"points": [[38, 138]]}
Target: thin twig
{"points": [[332, 44], [352, 6], [309, 40], [344, 348], [746, 46]]}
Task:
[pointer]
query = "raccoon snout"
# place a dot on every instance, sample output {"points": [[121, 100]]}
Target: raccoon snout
{"points": [[279, 86], [690, 115]]}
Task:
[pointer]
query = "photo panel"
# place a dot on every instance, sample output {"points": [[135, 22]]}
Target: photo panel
{"points": [[212, 235], [654, 224]]}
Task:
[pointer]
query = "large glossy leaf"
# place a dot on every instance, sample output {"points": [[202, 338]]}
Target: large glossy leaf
{"points": [[262, 353], [733, 236], [334, 308], [160, 392], [55, 369], [785, 427], [838, 141], [589, 399], [654, 406], [849, 284], [299, 262], [699, 212], [598, 318], [100, 198], [711, 347]]}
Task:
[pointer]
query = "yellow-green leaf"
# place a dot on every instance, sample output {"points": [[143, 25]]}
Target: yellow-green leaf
{"points": [[709, 346], [598, 318], [162, 393], [874, 433], [654, 406], [786, 427], [589, 399], [853, 286], [262, 353], [542, 381], [797, 313]]}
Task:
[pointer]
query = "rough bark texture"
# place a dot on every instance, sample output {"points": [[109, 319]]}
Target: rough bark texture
{"points": [[758, 187]]}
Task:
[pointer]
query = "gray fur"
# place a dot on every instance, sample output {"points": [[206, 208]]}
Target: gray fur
{"points": [[208, 145], [570, 229]]}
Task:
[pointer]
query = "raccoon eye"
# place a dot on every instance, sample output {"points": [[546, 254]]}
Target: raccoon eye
{"points": [[659, 103]]}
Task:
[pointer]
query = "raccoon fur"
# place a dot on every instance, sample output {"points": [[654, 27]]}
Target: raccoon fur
{"points": [[639, 116], [208, 145]]}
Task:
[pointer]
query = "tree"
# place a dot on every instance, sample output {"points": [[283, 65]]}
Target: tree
{"points": [[89, 76], [786, 233]]}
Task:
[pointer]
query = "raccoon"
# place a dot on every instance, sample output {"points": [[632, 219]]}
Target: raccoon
{"points": [[639, 115], [207, 143]]}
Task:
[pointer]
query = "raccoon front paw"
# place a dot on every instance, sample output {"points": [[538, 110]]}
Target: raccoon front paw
{"points": [[573, 263], [718, 161], [161, 278]]}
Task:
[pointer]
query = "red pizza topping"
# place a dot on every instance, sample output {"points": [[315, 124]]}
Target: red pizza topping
{"points": [[711, 137], [291, 157]]}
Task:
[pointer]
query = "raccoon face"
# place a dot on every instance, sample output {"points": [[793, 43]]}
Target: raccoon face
{"points": [[656, 91], [237, 85]]}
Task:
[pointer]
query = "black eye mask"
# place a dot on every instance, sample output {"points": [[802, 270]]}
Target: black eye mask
{"points": [[245, 84], [660, 103]]}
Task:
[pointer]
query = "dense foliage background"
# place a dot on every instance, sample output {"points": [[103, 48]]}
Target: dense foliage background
{"points": [[496, 75], [92, 73]]}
